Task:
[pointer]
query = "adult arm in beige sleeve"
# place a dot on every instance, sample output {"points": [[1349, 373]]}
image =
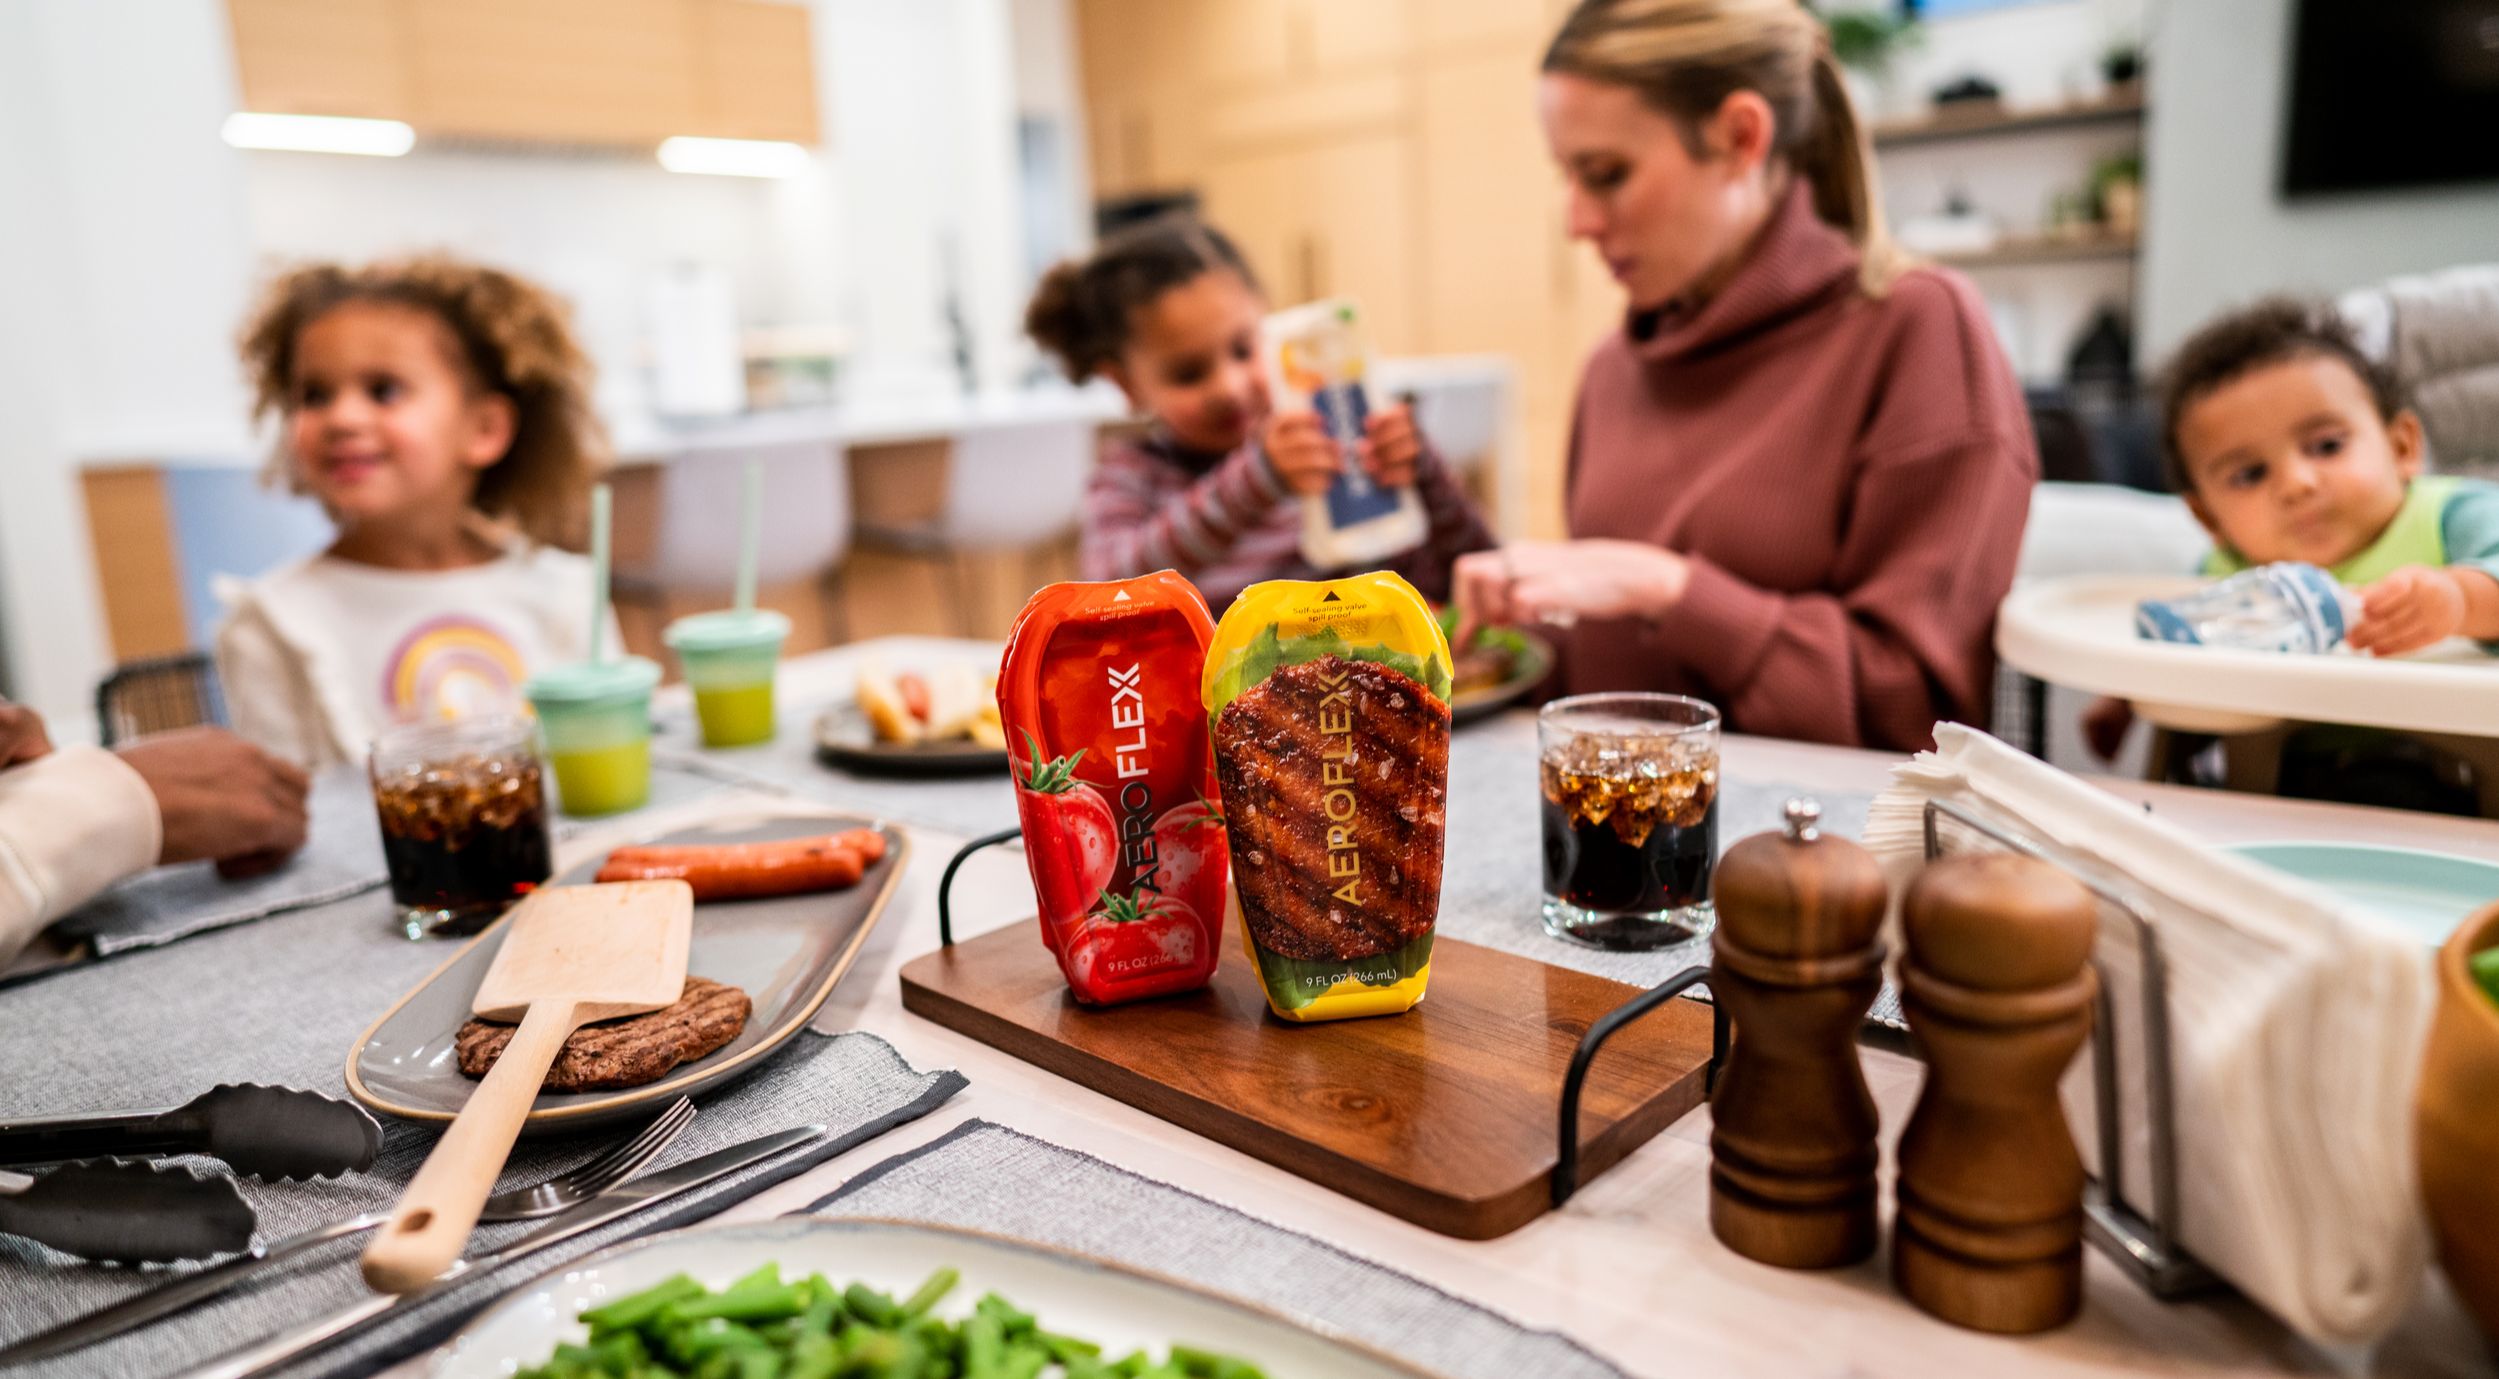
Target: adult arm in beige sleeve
{"points": [[71, 823]]}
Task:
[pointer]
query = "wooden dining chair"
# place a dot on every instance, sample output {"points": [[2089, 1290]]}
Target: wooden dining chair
{"points": [[158, 695]]}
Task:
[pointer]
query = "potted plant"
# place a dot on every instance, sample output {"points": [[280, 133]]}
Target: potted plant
{"points": [[1867, 41], [2117, 192], [2122, 66]]}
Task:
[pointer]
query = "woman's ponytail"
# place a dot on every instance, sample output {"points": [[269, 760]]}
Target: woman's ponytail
{"points": [[1837, 160]]}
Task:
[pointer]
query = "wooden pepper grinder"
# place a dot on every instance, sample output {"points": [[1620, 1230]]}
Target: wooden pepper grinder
{"points": [[1997, 987], [1798, 957]]}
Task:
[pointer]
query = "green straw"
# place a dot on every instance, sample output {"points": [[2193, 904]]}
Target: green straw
{"points": [[599, 522], [750, 534]]}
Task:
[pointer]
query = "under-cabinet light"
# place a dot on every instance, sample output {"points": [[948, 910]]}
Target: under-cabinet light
{"points": [[732, 157], [319, 134]]}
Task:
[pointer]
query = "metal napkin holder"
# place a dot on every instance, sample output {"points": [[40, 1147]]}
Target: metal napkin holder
{"points": [[2146, 1247]]}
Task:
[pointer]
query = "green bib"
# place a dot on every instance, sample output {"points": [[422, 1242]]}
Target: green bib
{"points": [[2417, 536]]}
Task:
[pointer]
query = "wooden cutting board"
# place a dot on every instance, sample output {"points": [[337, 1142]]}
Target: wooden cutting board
{"points": [[1445, 1116]]}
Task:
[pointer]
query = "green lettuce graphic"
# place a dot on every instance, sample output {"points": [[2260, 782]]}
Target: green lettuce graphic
{"points": [[1296, 982], [1267, 653]]}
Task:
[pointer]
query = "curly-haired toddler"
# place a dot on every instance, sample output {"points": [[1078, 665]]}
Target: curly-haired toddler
{"points": [[439, 412]]}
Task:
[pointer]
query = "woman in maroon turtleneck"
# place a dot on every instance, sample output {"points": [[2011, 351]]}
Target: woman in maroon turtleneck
{"points": [[1798, 475]]}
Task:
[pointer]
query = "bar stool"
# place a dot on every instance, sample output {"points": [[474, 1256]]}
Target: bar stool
{"points": [[692, 547], [1012, 492]]}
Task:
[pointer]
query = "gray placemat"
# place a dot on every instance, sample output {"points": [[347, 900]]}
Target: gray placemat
{"points": [[853, 1084], [990, 1178], [342, 856]]}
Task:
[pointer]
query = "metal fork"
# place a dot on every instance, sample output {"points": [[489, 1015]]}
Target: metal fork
{"points": [[555, 1195]]}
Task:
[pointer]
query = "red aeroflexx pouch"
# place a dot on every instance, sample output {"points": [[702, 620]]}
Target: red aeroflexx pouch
{"points": [[1115, 783]]}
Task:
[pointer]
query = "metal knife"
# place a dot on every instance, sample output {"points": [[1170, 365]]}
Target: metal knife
{"points": [[270, 1133], [617, 1202], [127, 1213]]}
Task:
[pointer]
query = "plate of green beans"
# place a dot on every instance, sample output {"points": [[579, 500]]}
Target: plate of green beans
{"points": [[838, 1299]]}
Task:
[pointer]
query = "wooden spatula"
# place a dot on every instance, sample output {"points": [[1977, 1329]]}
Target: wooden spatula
{"points": [[573, 954]]}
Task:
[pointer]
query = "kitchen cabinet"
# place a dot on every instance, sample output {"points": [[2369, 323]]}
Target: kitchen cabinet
{"points": [[321, 57], [1141, 102], [595, 72], [1336, 219], [755, 75]]}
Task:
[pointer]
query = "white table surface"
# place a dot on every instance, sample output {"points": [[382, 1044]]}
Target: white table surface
{"points": [[1629, 1267], [2079, 631]]}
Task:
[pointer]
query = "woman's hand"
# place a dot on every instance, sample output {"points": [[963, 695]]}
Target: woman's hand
{"points": [[2408, 610], [1304, 455], [1563, 581]]}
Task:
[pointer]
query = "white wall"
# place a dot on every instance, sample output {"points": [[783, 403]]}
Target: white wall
{"points": [[923, 106], [2041, 54], [123, 258], [594, 227], [2219, 230]]}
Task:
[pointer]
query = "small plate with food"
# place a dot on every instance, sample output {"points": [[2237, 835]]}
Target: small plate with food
{"points": [[809, 1292], [937, 720], [782, 906], [1496, 672]]}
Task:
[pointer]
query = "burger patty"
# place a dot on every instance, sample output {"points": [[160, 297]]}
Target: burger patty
{"points": [[625, 1052], [1335, 778]]}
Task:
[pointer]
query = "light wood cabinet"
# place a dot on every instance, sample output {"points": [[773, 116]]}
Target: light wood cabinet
{"points": [[613, 72], [1336, 219], [563, 70], [1136, 61], [321, 57], [756, 72]]}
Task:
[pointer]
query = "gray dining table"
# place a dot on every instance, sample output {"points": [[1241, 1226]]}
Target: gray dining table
{"points": [[1628, 1267], [1627, 1271]]}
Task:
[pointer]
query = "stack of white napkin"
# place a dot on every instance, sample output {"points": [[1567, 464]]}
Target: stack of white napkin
{"points": [[2296, 1025]]}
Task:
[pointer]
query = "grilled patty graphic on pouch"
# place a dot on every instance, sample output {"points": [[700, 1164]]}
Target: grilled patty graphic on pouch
{"points": [[1332, 774]]}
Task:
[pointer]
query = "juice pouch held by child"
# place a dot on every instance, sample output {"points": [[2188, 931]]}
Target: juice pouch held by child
{"points": [[1330, 705], [1315, 359], [1114, 783]]}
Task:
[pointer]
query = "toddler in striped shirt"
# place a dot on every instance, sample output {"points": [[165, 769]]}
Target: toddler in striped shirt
{"points": [[1170, 311]]}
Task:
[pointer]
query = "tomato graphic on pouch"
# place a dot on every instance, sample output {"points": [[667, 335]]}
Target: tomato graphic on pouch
{"points": [[1134, 937], [1189, 847], [1115, 774], [1069, 834]]}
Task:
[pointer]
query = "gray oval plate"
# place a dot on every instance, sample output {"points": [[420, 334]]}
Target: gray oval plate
{"points": [[785, 952], [844, 739]]}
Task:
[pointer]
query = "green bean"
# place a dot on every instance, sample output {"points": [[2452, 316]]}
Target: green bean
{"points": [[744, 1302], [930, 1293], [871, 1306], [633, 1309], [1207, 1364]]}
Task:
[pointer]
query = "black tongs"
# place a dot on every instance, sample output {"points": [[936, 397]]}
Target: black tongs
{"points": [[271, 1133], [127, 1213]]}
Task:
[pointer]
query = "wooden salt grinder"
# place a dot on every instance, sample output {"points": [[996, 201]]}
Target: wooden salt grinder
{"points": [[1798, 956], [1997, 987]]}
